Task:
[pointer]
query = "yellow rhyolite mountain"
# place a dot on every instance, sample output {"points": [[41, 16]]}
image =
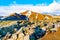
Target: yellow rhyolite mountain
{"points": [[36, 16]]}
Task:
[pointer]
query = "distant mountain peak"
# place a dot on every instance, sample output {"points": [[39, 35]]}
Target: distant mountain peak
{"points": [[28, 14], [34, 15], [16, 16]]}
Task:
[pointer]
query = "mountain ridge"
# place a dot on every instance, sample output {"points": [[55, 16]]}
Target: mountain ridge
{"points": [[33, 16]]}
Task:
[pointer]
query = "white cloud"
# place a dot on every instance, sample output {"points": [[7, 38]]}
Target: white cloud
{"points": [[41, 8]]}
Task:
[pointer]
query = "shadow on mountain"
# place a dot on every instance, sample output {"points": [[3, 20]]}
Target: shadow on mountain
{"points": [[16, 17], [39, 33], [10, 29]]}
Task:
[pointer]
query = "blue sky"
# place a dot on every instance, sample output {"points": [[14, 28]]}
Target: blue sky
{"points": [[42, 6], [34, 2]]}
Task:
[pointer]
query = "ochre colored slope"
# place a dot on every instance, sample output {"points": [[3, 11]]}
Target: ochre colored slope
{"points": [[36, 16], [24, 13], [40, 17], [52, 36], [32, 16]]}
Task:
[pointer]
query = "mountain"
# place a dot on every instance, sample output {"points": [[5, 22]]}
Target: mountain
{"points": [[32, 16], [36, 16], [57, 16], [2, 17], [16, 16]]}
